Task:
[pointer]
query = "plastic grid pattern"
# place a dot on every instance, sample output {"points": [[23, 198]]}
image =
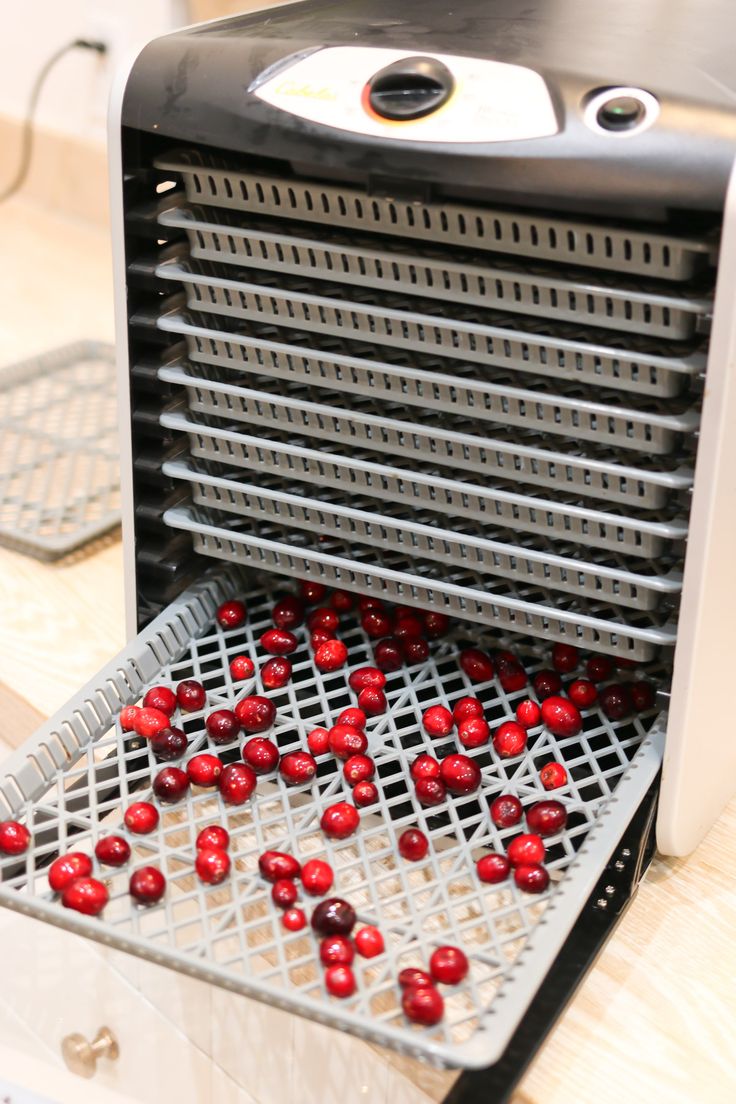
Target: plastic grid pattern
{"points": [[81, 770], [59, 464]]}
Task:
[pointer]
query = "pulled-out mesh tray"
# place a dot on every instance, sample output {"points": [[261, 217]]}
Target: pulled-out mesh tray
{"points": [[59, 462], [71, 783]]}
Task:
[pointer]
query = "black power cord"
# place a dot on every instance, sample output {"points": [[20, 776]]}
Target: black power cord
{"points": [[26, 148]]}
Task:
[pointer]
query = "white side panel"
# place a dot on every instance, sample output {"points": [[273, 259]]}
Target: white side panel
{"points": [[699, 772]]}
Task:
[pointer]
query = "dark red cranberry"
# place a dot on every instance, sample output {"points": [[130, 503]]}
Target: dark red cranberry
{"points": [[358, 768], [284, 893], [473, 732], [276, 673], [333, 916], [112, 851], [242, 667], [582, 693], [527, 848], [256, 714], [212, 865], [85, 895], [408, 627], [336, 950], [346, 740], [311, 591], [141, 817], [465, 708], [191, 696], [147, 885], [317, 877], [127, 717], [531, 877], [430, 791], [14, 838], [369, 942], [437, 721], [424, 766], [204, 770], [413, 844], [340, 981], [546, 683], [416, 650], [615, 701], [331, 656], [297, 767], [288, 613], [477, 665], [170, 785], [372, 701], [168, 744], [222, 726], [232, 614], [320, 637], [162, 698], [279, 642], [352, 716], [546, 818], [493, 868], [600, 668], [369, 601], [261, 754], [625, 664], [509, 739], [66, 868], [506, 811], [565, 658], [277, 864], [643, 696], [449, 965], [366, 676], [552, 776], [376, 623], [294, 919], [436, 624], [528, 714], [511, 674], [389, 654], [412, 978], [150, 721], [561, 717], [236, 783], [318, 741], [342, 601], [423, 1005], [213, 838], [365, 793], [323, 618], [340, 820]]}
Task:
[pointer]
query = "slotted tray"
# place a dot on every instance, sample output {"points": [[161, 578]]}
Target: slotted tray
{"points": [[72, 781]]}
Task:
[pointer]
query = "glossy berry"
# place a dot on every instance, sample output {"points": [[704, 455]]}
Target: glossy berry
{"points": [[276, 673], [255, 713], [318, 741], [236, 783], [376, 623], [643, 696], [112, 851], [284, 893], [600, 668], [552, 776], [279, 642], [147, 885], [369, 942], [150, 721], [340, 981], [168, 744], [277, 864], [288, 613], [436, 624], [341, 601], [340, 820], [213, 837], [527, 848], [352, 716], [331, 656], [546, 683], [191, 696], [412, 844], [509, 739], [528, 714], [346, 740], [493, 868], [317, 877], [85, 895], [297, 767], [366, 676], [336, 950], [261, 754], [466, 707], [437, 721], [365, 793], [423, 1005], [66, 868], [333, 916], [506, 811], [323, 618], [372, 701], [389, 654], [546, 818], [449, 965], [412, 978], [511, 674], [222, 726], [232, 614], [127, 717], [615, 701], [358, 768], [582, 693], [170, 784], [424, 766], [320, 637], [565, 658], [294, 919], [141, 818], [162, 698], [14, 838], [204, 770], [531, 877], [311, 591], [408, 627], [477, 665], [430, 791], [473, 732], [416, 650], [561, 717], [212, 865], [242, 667]]}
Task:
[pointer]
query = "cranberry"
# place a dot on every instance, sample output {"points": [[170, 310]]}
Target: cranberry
{"points": [[232, 614], [341, 601], [531, 877], [204, 770], [340, 820], [376, 623], [212, 865], [623, 663], [436, 624], [323, 618], [400, 612], [473, 732], [552, 776], [527, 848], [412, 978], [599, 668], [112, 851], [162, 698], [408, 626], [170, 784], [358, 768], [413, 844], [365, 793], [85, 895], [340, 981], [256, 714], [141, 817], [561, 717], [333, 916], [127, 717], [236, 783], [274, 865], [546, 817], [288, 613], [311, 591], [318, 741], [546, 683], [222, 726], [213, 838], [346, 740], [493, 868], [317, 877], [565, 658], [169, 743], [372, 701], [528, 714], [191, 696], [389, 654], [416, 650], [509, 739], [336, 950], [147, 885], [242, 667], [276, 673], [642, 696], [261, 754], [284, 893], [430, 791], [352, 716], [66, 868], [437, 721], [150, 721], [465, 708], [582, 693], [320, 637], [366, 676], [511, 674], [448, 965], [294, 919], [14, 838], [615, 701], [297, 767], [477, 665], [331, 656], [369, 942], [423, 1005], [279, 642], [506, 811], [424, 766]]}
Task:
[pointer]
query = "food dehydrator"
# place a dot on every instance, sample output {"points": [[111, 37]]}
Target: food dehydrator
{"points": [[433, 305]]}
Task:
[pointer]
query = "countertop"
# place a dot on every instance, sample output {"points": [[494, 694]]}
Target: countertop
{"points": [[655, 1019]]}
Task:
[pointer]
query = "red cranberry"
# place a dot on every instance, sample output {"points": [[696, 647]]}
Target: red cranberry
{"points": [[320, 637], [340, 820], [412, 978], [511, 674], [389, 654], [279, 642], [473, 732], [527, 848], [204, 770], [261, 754], [352, 716], [323, 618], [276, 673], [493, 868], [169, 743], [423, 1005], [236, 783], [372, 701], [141, 817], [642, 696], [561, 717], [416, 649], [147, 885], [407, 627], [413, 844], [346, 740], [339, 981], [477, 665], [546, 683], [531, 877], [212, 865], [284, 893], [232, 614], [277, 864], [162, 698], [465, 708], [437, 721], [331, 656], [342, 601], [528, 714], [213, 838], [449, 965], [436, 624], [85, 895], [358, 768], [430, 791], [615, 701], [294, 919], [112, 851], [565, 658], [191, 696], [318, 741], [333, 916], [506, 811], [599, 668], [369, 601], [288, 613], [66, 868], [365, 793], [170, 784], [376, 623], [127, 717], [625, 664], [369, 942], [336, 950], [312, 592], [14, 838], [255, 713], [150, 721], [509, 739], [222, 726], [317, 877], [546, 818], [242, 667], [297, 767], [582, 693], [552, 776], [366, 676], [424, 766]]}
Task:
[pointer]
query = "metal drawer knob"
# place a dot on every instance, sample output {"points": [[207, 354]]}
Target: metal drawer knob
{"points": [[81, 1056]]}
